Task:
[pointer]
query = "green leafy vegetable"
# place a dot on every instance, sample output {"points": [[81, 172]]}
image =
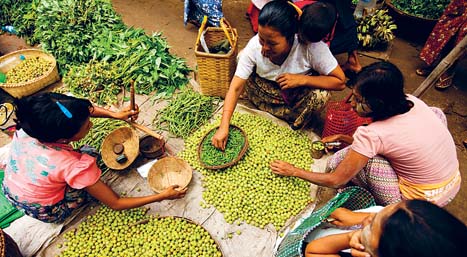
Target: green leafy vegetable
{"points": [[431, 9]]}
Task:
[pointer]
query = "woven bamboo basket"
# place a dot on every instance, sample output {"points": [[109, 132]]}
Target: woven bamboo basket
{"points": [[187, 220], [215, 71], [130, 141], [169, 171], [18, 90], [231, 163], [411, 26]]}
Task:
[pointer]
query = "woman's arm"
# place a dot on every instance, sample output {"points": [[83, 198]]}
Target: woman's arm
{"points": [[219, 140], [345, 171], [107, 196], [126, 113], [339, 137], [347, 218], [335, 80], [328, 245]]}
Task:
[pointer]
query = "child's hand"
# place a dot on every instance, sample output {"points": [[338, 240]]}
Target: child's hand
{"points": [[345, 217], [127, 113], [357, 249], [173, 193]]}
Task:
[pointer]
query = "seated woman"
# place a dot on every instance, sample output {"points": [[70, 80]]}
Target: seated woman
{"points": [[44, 176], [408, 228], [274, 69], [406, 153]]}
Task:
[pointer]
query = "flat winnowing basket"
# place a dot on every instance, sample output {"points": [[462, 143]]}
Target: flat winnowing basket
{"points": [[18, 90], [216, 70]]}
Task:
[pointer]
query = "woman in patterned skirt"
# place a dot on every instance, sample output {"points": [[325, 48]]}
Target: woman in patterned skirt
{"points": [[407, 151]]}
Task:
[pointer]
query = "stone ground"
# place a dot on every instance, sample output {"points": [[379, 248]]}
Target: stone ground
{"points": [[167, 16]]}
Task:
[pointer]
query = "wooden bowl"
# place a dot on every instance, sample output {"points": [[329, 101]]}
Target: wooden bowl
{"points": [[129, 139], [169, 171], [226, 165], [151, 147]]}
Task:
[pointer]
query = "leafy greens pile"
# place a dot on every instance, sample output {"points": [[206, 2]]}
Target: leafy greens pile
{"points": [[77, 32]]}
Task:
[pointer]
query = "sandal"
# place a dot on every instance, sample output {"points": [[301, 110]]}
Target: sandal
{"points": [[465, 143], [423, 71], [444, 82]]}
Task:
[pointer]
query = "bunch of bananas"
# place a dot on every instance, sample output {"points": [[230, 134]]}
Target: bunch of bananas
{"points": [[376, 30]]}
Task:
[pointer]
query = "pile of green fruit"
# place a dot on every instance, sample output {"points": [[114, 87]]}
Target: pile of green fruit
{"points": [[248, 191], [376, 30], [211, 156], [29, 69], [134, 233]]}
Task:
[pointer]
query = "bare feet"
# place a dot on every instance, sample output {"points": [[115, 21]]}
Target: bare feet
{"points": [[423, 71], [352, 64]]}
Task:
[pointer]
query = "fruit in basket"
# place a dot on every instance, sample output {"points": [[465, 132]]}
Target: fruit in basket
{"points": [[134, 233], [212, 156], [28, 69]]}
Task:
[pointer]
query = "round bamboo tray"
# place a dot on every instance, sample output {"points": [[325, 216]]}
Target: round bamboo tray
{"points": [[18, 90], [226, 165], [192, 222], [130, 141], [169, 171]]}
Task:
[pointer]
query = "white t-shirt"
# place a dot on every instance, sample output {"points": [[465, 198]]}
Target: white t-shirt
{"points": [[301, 60]]}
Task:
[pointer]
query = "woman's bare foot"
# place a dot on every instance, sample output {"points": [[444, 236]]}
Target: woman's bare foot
{"points": [[352, 64]]}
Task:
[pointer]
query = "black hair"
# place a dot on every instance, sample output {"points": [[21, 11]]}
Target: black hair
{"points": [[281, 16], [381, 85], [317, 21], [420, 228], [42, 118]]}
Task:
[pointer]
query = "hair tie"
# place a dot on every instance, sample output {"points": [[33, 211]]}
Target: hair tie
{"points": [[299, 11], [64, 110]]}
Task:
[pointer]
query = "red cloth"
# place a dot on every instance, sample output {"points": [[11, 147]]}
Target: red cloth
{"points": [[451, 25], [253, 14]]}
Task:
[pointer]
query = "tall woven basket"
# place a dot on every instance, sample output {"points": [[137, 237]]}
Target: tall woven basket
{"points": [[216, 70], [18, 90]]}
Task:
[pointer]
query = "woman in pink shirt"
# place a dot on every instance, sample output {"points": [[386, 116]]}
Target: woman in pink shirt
{"points": [[44, 176], [407, 151]]}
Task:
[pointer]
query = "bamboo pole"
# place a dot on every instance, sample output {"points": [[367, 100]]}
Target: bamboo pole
{"points": [[442, 67]]}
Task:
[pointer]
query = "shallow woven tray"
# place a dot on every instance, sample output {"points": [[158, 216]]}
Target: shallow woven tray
{"points": [[226, 165], [18, 90], [169, 171], [188, 220], [130, 141]]}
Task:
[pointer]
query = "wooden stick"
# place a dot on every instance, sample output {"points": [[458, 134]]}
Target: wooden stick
{"points": [[442, 67], [146, 130], [132, 97]]}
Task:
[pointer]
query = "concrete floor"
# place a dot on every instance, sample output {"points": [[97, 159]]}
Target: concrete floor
{"points": [[167, 16]]}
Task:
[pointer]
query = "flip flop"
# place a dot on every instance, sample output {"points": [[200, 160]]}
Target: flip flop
{"points": [[423, 72], [444, 82]]}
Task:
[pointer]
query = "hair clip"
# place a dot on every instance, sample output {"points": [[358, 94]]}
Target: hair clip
{"points": [[64, 110], [299, 11]]}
